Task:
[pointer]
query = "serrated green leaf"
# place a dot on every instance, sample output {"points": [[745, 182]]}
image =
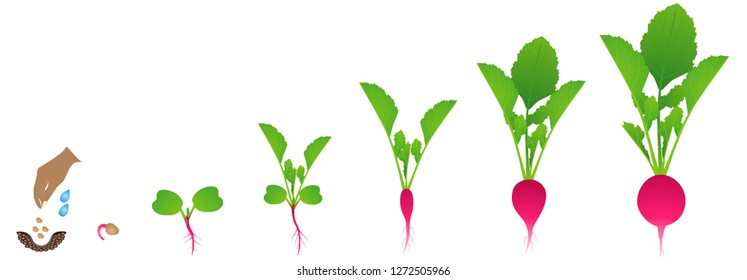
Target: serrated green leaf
{"points": [[310, 195], [636, 134], [503, 88], [276, 140], [630, 62], [520, 128], [650, 112], [560, 100], [404, 156], [207, 199], [668, 47], [289, 172], [275, 194], [665, 127], [301, 173], [383, 104], [535, 72], [537, 137], [399, 142], [167, 203], [541, 131], [699, 78], [539, 116], [677, 121], [434, 117], [673, 98], [312, 151], [416, 150]]}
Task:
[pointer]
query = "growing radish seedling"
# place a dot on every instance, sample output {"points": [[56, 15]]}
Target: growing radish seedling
{"points": [[293, 193], [534, 78], [401, 148], [668, 51], [169, 203]]}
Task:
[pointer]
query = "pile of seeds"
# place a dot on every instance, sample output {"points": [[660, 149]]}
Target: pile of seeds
{"points": [[36, 229]]}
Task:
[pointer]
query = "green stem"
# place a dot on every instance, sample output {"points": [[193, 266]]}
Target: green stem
{"points": [[526, 147], [652, 155], [289, 196], [396, 161], [671, 154], [659, 137], [536, 166]]}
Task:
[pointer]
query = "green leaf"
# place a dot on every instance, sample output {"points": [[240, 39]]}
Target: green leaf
{"points": [[538, 136], [502, 86], [560, 100], [520, 128], [669, 47], [416, 150], [207, 199], [275, 194], [673, 98], [301, 173], [636, 133], [434, 117], [276, 140], [289, 172], [665, 127], [541, 131], [699, 78], [630, 62], [399, 143], [310, 195], [312, 151], [167, 203], [404, 156], [383, 104], [677, 120], [539, 116], [535, 72], [650, 112]]}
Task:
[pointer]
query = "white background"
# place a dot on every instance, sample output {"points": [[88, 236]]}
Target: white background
{"points": [[167, 95]]}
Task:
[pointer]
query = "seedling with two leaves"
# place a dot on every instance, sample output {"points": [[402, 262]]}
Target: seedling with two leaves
{"points": [[205, 200]]}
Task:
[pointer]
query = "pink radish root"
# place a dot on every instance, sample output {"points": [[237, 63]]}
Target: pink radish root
{"points": [[102, 226], [528, 198], [191, 234], [297, 234], [406, 202], [661, 201]]}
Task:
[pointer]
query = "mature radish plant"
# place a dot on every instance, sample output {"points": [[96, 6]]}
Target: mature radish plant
{"points": [[668, 52], [169, 203], [293, 193], [384, 106], [534, 76]]}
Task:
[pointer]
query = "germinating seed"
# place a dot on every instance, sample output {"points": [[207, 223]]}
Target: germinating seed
{"points": [[35, 229], [45, 229], [41, 236]]}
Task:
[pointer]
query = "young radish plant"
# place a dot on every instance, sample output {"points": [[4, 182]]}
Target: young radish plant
{"points": [[534, 76], [293, 193], [169, 203], [668, 51], [384, 106]]}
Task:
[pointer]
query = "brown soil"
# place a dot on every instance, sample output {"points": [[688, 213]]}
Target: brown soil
{"points": [[28, 242]]}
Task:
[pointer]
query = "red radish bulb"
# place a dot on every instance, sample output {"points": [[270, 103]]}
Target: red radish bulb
{"points": [[661, 201], [529, 200]]}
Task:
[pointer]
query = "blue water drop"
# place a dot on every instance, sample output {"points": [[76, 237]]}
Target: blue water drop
{"points": [[65, 196], [63, 210]]}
